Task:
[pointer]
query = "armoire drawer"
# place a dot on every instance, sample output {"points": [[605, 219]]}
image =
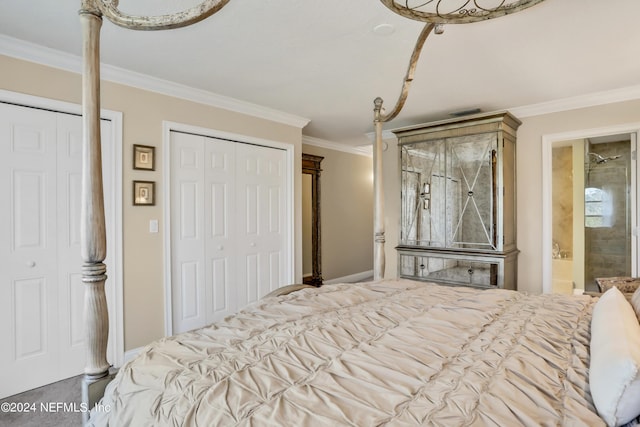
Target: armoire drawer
{"points": [[479, 270]]}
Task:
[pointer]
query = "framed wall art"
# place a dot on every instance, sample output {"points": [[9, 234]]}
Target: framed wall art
{"points": [[144, 157], [144, 193]]}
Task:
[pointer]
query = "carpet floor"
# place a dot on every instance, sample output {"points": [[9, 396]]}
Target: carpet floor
{"points": [[57, 404]]}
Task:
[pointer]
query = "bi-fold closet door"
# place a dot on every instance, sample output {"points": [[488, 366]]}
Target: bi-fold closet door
{"points": [[228, 234], [41, 291]]}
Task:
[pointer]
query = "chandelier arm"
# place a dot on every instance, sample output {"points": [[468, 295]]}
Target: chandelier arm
{"points": [[406, 84], [456, 15], [109, 8]]}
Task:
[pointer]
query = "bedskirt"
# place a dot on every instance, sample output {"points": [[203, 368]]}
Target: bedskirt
{"points": [[394, 352]]}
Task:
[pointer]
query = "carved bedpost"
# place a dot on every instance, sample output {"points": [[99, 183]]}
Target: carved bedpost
{"points": [[92, 225], [378, 196], [378, 118]]}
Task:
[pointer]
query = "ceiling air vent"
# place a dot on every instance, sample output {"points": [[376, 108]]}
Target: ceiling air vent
{"points": [[466, 112]]}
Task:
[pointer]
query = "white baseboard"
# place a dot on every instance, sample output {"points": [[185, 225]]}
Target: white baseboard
{"points": [[130, 354], [358, 277]]}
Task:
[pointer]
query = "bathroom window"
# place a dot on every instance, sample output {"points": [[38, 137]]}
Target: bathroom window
{"points": [[598, 208]]}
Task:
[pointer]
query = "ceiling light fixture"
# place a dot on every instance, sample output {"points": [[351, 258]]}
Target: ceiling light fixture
{"points": [[384, 30]]}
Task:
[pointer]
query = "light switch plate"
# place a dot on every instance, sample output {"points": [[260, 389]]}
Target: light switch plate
{"points": [[153, 226]]}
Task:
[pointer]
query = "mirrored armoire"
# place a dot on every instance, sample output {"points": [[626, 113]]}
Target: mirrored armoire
{"points": [[458, 201]]}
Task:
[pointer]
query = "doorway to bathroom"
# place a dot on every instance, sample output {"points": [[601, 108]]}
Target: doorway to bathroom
{"points": [[592, 222]]}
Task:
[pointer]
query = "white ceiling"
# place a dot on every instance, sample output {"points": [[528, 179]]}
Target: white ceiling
{"points": [[321, 59]]}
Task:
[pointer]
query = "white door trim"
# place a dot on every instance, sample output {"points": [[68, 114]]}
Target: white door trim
{"points": [[167, 127], [547, 144], [116, 325]]}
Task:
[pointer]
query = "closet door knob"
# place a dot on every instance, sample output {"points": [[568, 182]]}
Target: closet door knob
{"points": [[31, 264], [252, 244], [220, 247]]}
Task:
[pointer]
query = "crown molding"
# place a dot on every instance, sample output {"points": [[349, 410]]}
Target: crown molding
{"points": [[31, 52], [581, 101], [365, 150], [629, 93]]}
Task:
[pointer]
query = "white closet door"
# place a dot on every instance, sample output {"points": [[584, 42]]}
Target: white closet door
{"points": [[202, 236], [227, 227], [41, 293], [188, 291], [71, 288], [71, 296], [220, 223], [260, 187], [28, 249]]}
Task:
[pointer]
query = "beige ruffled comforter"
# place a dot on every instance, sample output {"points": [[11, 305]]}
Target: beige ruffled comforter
{"points": [[398, 353]]}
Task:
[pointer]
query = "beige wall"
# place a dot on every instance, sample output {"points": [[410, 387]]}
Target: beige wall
{"points": [[143, 114], [529, 186], [346, 212]]}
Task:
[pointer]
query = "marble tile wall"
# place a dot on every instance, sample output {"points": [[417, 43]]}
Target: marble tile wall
{"points": [[562, 199]]}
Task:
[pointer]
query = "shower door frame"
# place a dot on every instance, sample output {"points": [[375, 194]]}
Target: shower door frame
{"points": [[548, 141]]}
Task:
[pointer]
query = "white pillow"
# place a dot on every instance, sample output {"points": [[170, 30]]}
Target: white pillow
{"points": [[614, 371]]}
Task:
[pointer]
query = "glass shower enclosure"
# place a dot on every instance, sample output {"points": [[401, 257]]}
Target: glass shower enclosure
{"points": [[607, 220], [592, 208]]}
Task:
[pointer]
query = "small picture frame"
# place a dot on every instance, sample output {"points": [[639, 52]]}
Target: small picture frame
{"points": [[144, 193], [144, 157]]}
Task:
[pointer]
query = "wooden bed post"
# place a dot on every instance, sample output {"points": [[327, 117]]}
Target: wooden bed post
{"points": [[378, 118], [92, 225], [378, 196]]}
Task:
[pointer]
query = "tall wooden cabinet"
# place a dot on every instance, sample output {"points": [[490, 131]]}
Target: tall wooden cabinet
{"points": [[458, 201]]}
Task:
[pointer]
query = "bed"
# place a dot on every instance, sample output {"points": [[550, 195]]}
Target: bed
{"points": [[387, 352], [395, 352]]}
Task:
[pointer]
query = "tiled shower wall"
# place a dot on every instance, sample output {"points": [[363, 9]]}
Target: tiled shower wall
{"points": [[608, 249], [562, 170]]}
